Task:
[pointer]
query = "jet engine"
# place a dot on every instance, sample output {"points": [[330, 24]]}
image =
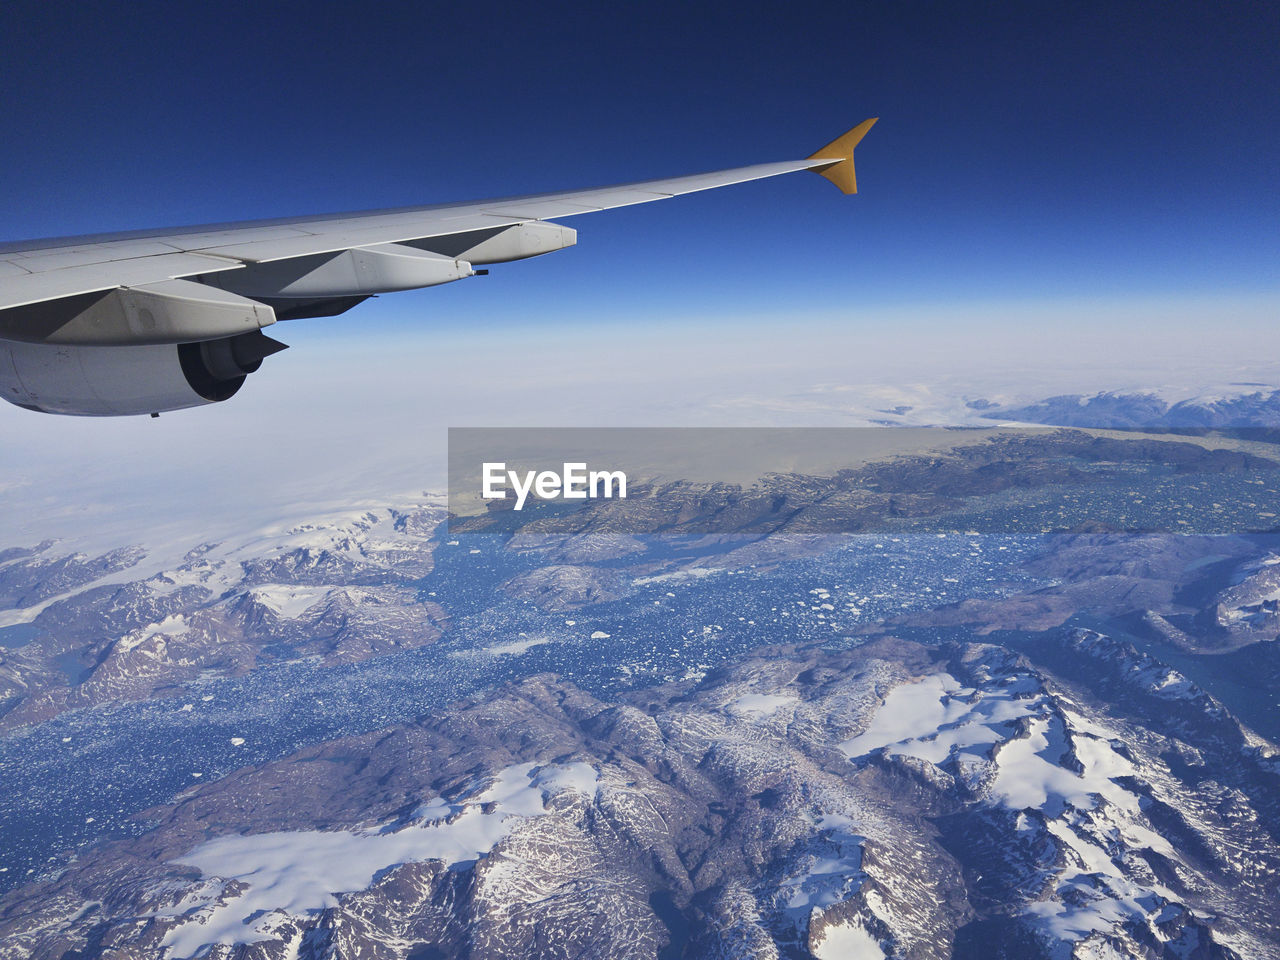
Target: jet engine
{"points": [[107, 381]]}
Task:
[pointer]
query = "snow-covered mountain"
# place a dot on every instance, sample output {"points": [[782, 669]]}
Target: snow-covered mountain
{"points": [[361, 735], [127, 624], [1239, 408], [890, 801]]}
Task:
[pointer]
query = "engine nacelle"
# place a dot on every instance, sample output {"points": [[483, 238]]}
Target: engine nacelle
{"points": [[94, 381]]}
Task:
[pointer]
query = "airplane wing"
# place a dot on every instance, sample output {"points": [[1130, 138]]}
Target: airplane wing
{"points": [[86, 323]]}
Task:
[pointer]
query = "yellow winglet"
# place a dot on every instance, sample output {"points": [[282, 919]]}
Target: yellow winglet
{"points": [[840, 151]]}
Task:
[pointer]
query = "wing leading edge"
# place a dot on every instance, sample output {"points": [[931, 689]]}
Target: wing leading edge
{"points": [[47, 270]]}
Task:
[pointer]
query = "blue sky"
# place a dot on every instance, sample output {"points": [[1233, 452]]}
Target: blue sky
{"points": [[1025, 151]]}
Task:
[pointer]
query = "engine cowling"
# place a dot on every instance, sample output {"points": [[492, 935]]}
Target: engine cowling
{"points": [[109, 381]]}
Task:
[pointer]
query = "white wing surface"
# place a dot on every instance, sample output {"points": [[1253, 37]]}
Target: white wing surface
{"points": [[209, 290]]}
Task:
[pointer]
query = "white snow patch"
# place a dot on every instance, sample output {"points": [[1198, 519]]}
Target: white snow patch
{"points": [[758, 705], [935, 716], [1031, 777], [301, 871], [831, 873], [173, 626], [288, 602], [847, 941]]}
